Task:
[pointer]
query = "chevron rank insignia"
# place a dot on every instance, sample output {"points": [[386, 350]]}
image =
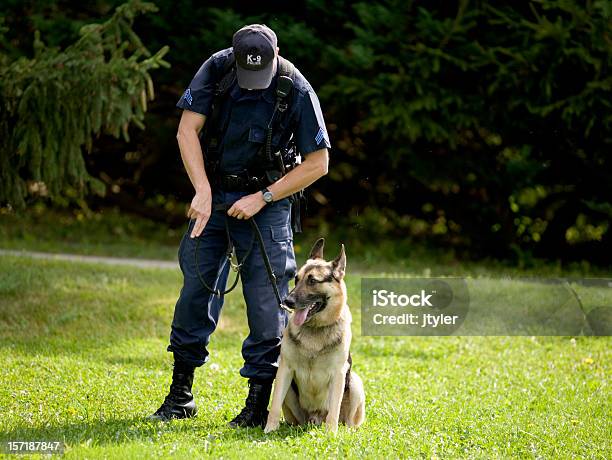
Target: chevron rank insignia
{"points": [[187, 96]]}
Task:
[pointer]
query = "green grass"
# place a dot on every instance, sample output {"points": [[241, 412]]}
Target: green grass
{"points": [[109, 232], [84, 361], [104, 233]]}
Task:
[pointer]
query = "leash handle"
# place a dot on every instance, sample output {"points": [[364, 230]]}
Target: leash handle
{"points": [[217, 292], [230, 250], [264, 254], [256, 234]]}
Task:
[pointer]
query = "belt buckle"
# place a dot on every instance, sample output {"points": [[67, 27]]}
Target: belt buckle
{"points": [[232, 180]]}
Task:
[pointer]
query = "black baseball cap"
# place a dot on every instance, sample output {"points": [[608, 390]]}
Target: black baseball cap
{"points": [[255, 51]]}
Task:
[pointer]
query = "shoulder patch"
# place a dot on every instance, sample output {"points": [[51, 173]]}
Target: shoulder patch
{"points": [[320, 135], [187, 96]]}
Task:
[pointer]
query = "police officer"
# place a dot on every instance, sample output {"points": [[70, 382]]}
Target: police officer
{"points": [[246, 110]]}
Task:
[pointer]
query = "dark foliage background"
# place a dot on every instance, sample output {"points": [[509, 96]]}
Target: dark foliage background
{"points": [[481, 126]]}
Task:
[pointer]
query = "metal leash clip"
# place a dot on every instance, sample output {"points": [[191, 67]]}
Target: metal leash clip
{"points": [[235, 266]]}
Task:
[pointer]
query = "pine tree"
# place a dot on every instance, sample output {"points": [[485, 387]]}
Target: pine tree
{"points": [[54, 104]]}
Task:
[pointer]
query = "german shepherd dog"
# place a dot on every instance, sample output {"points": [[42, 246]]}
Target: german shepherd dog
{"points": [[314, 382]]}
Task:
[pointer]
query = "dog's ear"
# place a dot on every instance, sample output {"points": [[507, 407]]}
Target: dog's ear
{"points": [[339, 264], [317, 250]]}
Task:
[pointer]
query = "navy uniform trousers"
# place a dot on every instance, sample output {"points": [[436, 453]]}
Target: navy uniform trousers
{"points": [[197, 311]]}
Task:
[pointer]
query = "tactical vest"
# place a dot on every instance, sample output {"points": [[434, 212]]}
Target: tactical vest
{"points": [[267, 165]]}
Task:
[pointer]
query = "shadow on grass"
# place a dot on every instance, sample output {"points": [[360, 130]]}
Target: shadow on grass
{"points": [[161, 361], [103, 431], [54, 348], [137, 428], [90, 346]]}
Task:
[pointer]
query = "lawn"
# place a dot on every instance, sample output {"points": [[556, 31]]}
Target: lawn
{"points": [[104, 233], [84, 361], [108, 232]]}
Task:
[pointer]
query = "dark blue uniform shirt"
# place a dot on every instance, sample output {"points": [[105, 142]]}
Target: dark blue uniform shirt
{"points": [[247, 113]]}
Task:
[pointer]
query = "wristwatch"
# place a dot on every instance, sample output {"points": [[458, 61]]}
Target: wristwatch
{"points": [[267, 195]]}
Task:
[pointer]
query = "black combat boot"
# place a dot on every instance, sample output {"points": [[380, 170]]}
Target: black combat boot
{"points": [[255, 411], [179, 403]]}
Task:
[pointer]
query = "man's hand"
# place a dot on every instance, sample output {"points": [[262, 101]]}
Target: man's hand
{"points": [[200, 211], [191, 152], [246, 207]]}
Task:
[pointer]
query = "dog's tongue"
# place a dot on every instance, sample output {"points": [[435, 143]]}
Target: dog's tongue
{"points": [[299, 316]]}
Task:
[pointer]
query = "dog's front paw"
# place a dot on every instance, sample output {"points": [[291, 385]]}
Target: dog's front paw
{"points": [[272, 424], [332, 426]]}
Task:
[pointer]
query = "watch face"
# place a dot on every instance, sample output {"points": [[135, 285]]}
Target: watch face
{"points": [[267, 196]]}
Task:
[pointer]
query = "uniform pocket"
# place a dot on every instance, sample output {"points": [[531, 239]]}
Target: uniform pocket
{"points": [[257, 134], [283, 255], [281, 233]]}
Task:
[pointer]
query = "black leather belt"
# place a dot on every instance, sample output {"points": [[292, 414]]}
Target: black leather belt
{"points": [[239, 183]]}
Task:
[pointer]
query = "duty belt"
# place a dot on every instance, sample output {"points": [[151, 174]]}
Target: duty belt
{"points": [[240, 183]]}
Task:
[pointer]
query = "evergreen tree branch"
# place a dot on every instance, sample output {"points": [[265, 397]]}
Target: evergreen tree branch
{"points": [[55, 103]]}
